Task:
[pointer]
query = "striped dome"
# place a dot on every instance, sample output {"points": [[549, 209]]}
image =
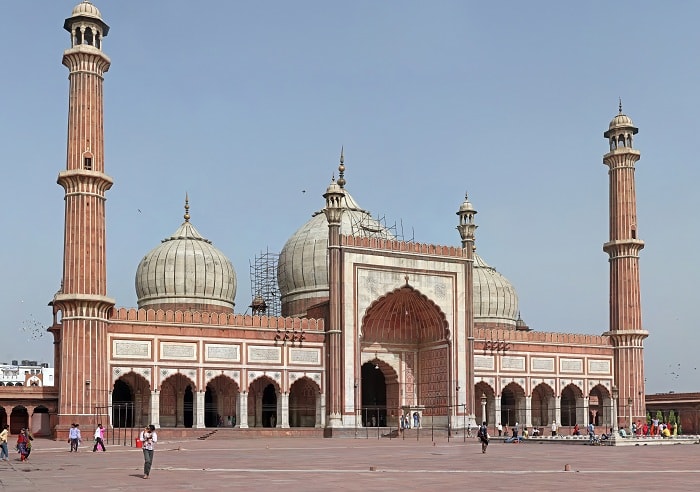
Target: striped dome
{"points": [[186, 272]]}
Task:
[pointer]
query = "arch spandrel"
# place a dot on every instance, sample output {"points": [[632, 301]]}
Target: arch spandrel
{"points": [[404, 316]]}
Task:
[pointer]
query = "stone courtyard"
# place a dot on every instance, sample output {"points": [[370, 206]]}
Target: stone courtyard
{"points": [[354, 464]]}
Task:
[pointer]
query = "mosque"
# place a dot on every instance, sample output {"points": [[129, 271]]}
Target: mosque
{"points": [[372, 326]]}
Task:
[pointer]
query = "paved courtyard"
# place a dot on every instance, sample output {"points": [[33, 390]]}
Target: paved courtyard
{"points": [[354, 464]]}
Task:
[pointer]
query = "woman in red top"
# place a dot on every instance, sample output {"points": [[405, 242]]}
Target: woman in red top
{"points": [[22, 442]]}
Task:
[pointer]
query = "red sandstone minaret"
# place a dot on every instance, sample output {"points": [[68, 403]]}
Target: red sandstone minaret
{"points": [[82, 302], [623, 248], [334, 196]]}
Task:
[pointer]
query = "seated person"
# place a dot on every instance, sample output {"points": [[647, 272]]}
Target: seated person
{"points": [[666, 432], [623, 433], [576, 431], [535, 432], [514, 439]]}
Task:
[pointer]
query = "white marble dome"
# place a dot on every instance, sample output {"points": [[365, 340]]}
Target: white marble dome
{"points": [[495, 300], [86, 9], [186, 270], [302, 271], [621, 121]]}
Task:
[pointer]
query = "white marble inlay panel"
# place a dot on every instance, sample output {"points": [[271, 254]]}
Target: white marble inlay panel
{"points": [[304, 356], [130, 349], [178, 351], [264, 354], [542, 364], [571, 365], [513, 363], [599, 366], [484, 362], [219, 352]]}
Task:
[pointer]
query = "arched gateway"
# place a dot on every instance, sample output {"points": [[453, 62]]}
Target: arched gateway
{"points": [[405, 347]]}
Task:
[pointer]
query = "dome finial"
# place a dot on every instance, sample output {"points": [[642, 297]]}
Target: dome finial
{"points": [[619, 107], [187, 207], [341, 169]]}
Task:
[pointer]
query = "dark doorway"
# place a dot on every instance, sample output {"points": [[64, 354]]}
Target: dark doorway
{"points": [[269, 406], [188, 407], [373, 395], [122, 405], [568, 407], [508, 407], [211, 417]]}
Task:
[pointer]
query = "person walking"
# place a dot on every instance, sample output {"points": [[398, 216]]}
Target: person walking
{"points": [[148, 438], [4, 434], [74, 437], [22, 445], [99, 438], [483, 435]]}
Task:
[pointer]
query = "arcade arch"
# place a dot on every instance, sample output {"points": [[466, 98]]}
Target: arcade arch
{"points": [[177, 398], [131, 400], [513, 405], [304, 403], [542, 405], [220, 399], [264, 403]]}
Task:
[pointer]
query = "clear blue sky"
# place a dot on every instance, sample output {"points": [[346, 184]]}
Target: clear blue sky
{"points": [[245, 104]]}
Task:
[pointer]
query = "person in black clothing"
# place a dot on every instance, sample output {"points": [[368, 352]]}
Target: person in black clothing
{"points": [[483, 435]]}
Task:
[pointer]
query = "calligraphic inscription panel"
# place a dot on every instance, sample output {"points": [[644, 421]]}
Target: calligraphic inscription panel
{"points": [[304, 356], [571, 365], [226, 353], [131, 349], [264, 354], [599, 366], [178, 351]]}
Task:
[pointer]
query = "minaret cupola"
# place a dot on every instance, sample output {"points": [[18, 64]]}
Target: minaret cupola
{"points": [[466, 226], [621, 131], [86, 26]]}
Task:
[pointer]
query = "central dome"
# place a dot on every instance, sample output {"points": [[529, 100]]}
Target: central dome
{"points": [[302, 271], [186, 272]]}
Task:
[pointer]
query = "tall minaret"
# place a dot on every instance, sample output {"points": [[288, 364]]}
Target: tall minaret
{"points": [[623, 248], [82, 301], [334, 196], [467, 228]]}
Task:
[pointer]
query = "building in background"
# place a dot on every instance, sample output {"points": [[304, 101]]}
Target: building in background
{"points": [[26, 373]]}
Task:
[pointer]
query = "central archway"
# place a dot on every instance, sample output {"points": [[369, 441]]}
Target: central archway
{"points": [[410, 339]]}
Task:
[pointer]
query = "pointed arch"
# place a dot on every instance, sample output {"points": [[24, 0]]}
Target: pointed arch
{"points": [[404, 316], [131, 400], [177, 401], [513, 404], [600, 406], [264, 403], [304, 406], [485, 389], [542, 405], [571, 403], [220, 399]]}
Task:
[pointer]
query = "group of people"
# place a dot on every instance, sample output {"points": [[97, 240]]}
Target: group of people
{"points": [[23, 446], [405, 420], [75, 438], [657, 428]]}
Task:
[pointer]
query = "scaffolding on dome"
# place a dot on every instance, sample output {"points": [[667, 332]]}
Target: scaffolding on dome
{"points": [[263, 284], [367, 226]]}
